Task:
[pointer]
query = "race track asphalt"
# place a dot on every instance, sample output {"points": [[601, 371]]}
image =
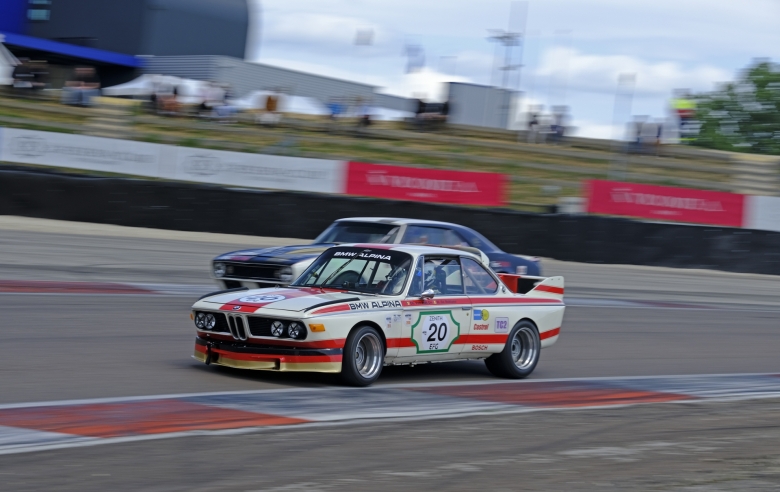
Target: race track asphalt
{"points": [[622, 321]]}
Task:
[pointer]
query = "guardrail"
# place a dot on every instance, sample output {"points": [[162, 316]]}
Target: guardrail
{"points": [[208, 208]]}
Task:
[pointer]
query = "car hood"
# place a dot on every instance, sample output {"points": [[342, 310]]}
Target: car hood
{"points": [[285, 299], [283, 255]]}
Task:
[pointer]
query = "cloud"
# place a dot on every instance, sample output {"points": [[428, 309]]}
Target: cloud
{"points": [[326, 33], [599, 73]]}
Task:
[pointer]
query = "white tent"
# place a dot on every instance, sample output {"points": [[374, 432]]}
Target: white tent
{"points": [[285, 104], [188, 91], [384, 114], [305, 105], [7, 64]]}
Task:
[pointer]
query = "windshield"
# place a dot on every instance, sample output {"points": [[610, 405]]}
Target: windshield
{"points": [[364, 270], [358, 232]]}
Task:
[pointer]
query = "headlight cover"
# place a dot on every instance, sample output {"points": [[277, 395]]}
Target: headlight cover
{"points": [[200, 321], [211, 321], [219, 269], [285, 274], [296, 330], [277, 328]]}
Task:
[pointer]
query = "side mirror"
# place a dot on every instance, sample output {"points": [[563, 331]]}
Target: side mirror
{"points": [[427, 294]]}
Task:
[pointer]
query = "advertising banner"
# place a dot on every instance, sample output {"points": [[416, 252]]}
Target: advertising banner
{"points": [[665, 203], [80, 152], [259, 170], [762, 213], [426, 185]]}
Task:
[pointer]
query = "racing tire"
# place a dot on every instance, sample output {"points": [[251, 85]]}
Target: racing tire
{"points": [[520, 355], [364, 356]]}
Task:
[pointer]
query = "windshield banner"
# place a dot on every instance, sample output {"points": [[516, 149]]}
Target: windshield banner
{"points": [[665, 203], [426, 185]]}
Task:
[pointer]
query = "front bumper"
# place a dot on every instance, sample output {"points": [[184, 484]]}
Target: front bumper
{"points": [[243, 356]]}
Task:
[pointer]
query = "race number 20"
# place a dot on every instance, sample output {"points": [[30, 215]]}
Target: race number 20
{"points": [[435, 332]]}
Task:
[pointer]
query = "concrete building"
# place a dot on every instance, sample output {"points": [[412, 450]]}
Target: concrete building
{"points": [[110, 34], [244, 77]]}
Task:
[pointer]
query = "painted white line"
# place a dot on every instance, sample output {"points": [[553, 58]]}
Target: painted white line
{"points": [[126, 399]]}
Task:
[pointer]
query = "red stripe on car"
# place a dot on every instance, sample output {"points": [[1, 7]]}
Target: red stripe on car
{"points": [[549, 288], [283, 342], [550, 333], [464, 339], [332, 309], [399, 342]]}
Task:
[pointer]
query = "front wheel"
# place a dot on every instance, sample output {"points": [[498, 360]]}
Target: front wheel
{"points": [[364, 356], [520, 355]]}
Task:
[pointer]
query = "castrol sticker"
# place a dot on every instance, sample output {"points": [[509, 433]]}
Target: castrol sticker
{"points": [[435, 331]]}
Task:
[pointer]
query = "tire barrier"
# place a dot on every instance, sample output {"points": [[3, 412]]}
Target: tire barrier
{"points": [[206, 208]]}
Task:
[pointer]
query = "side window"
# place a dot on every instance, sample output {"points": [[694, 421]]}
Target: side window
{"points": [[419, 235], [416, 289], [416, 234], [452, 238], [443, 276], [477, 279]]}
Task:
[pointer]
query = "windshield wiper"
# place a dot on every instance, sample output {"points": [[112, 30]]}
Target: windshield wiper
{"points": [[325, 283]]}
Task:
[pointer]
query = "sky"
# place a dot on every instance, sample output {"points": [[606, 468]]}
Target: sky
{"points": [[573, 53]]}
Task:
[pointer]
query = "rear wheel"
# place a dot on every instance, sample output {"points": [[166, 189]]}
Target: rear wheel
{"points": [[364, 356], [520, 355]]}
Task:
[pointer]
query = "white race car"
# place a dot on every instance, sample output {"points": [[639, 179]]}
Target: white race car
{"points": [[360, 307]]}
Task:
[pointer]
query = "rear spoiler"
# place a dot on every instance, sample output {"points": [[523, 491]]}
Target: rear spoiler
{"points": [[545, 287]]}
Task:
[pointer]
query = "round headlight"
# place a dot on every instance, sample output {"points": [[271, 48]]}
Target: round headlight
{"points": [[219, 269], [296, 330], [211, 321], [200, 321], [286, 274], [277, 328]]}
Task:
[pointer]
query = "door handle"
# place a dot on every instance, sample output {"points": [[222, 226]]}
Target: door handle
{"points": [[466, 308]]}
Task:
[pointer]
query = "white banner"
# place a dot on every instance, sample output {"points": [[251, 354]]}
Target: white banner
{"points": [[762, 213], [80, 152], [260, 170]]}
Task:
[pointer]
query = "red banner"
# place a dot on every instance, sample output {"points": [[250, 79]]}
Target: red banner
{"points": [[665, 203], [426, 185]]}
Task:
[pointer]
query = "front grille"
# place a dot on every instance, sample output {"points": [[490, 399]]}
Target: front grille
{"points": [[256, 271], [221, 325], [260, 327]]}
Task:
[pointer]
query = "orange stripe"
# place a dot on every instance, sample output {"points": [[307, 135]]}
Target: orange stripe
{"points": [[549, 288], [549, 334]]}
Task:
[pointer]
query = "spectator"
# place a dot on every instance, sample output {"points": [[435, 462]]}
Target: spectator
{"points": [[533, 123], [270, 114], [558, 127], [84, 85], [685, 108], [23, 75]]}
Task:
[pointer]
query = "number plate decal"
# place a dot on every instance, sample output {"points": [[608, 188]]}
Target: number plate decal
{"points": [[435, 331]]}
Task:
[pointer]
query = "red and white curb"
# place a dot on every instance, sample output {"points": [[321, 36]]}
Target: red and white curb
{"points": [[28, 427]]}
